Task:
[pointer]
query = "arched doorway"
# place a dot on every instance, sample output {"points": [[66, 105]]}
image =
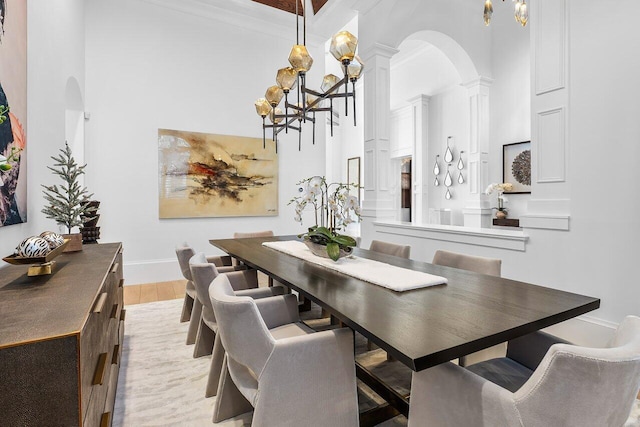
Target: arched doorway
{"points": [[432, 83]]}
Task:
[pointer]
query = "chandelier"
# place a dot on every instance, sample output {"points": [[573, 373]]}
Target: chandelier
{"points": [[521, 12], [308, 101]]}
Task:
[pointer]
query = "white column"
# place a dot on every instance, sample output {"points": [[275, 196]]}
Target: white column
{"points": [[477, 213], [377, 202], [549, 206], [420, 164]]}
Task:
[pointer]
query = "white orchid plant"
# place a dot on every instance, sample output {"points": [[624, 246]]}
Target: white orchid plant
{"points": [[334, 209], [500, 188]]}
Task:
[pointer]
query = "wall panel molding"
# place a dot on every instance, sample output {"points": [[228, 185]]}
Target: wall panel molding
{"points": [[550, 45], [551, 145]]}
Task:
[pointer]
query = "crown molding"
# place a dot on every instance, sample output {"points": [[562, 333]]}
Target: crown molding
{"points": [[247, 15]]}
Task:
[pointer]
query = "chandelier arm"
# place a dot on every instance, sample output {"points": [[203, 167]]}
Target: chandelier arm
{"points": [[331, 115], [301, 89], [353, 83], [313, 138], [264, 134], [286, 113], [313, 92], [340, 95], [346, 88], [297, 25]]}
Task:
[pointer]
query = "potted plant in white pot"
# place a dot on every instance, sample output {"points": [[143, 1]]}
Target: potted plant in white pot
{"points": [[66, 205]]}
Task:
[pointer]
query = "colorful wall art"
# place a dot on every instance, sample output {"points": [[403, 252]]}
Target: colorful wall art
{"points": [[207, 175], [13, 112]]}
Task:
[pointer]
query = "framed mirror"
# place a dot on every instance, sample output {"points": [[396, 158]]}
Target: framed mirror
{"points": [[353, 176]]}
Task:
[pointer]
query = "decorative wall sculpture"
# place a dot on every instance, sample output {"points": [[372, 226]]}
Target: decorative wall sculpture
{"points": [[207, 175], [448, 161], [516, 166], [13, 112]]}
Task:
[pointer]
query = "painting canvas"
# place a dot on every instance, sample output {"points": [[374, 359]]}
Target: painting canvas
{"points": [[516, 166], [208, 175], [13, 112]]}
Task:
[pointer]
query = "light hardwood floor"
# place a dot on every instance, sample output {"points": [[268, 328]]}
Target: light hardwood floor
{"points": [[151, 292]]}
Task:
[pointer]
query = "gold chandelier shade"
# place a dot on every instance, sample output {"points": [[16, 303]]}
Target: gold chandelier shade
{"points": [[521, 12], [343, 46], [488, 12], [263, 108], [329, 81], [275, 120], [287, 78], [311, 99], [274, 95], [300, 59], [355, 67]]}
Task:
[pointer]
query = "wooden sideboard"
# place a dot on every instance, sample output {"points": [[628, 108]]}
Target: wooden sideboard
{"points": [[61, 340]]}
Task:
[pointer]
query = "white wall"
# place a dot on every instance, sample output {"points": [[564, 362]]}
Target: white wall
{"points": [[55, 52], [149, 67], [510, 99]]}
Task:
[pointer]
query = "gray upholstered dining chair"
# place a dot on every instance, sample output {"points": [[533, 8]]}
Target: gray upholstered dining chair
{"points": [[265, 233], [202, 274], [571, 386], [482, 265], [244, 282], [402, 251], [192, 308], [279, 367]]}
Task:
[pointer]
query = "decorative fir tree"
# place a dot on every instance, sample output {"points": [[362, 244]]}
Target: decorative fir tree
{"points": [[65, 202]]}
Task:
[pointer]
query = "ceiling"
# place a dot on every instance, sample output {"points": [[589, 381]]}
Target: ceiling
{"points": [[290, 5]]}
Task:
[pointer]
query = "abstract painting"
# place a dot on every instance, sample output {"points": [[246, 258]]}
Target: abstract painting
{"points": [[208, 175], [516, 166], [13, 112]]}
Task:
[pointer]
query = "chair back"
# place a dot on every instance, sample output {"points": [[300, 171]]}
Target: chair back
{"points": [[580, 386], [243, 332], [266, 233], [402, 251], [184, 253], [202, 273], [482, 265]]}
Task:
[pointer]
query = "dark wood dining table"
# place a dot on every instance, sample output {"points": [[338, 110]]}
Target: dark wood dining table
{"points": [[422, 327]]}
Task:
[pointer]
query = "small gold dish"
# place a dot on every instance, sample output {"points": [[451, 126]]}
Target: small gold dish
{"points": [[45, 262]]}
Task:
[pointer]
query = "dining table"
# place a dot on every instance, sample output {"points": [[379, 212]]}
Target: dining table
{"points": [[422, 327]]}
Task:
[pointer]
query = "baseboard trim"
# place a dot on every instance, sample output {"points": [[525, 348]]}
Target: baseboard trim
{"points": [[151, 271]]}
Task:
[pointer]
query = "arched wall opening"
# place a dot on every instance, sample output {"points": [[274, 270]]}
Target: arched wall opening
{"points": [[430, 110]]}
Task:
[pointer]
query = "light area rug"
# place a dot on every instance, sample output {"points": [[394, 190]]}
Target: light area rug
{"points": [[161, 384]]}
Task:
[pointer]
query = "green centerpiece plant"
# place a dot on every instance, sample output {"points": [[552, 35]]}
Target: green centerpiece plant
{"points": [[67, 202], [334, 208]]}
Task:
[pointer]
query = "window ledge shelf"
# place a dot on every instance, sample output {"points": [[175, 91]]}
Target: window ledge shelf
{"points": [[495, 238]]}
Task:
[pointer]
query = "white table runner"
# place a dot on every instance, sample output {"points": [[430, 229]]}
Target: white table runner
{"points": [[376, 272]]}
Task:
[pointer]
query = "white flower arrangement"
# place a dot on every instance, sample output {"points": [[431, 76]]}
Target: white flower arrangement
{"points": [[500, 188], [334, 207]]}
